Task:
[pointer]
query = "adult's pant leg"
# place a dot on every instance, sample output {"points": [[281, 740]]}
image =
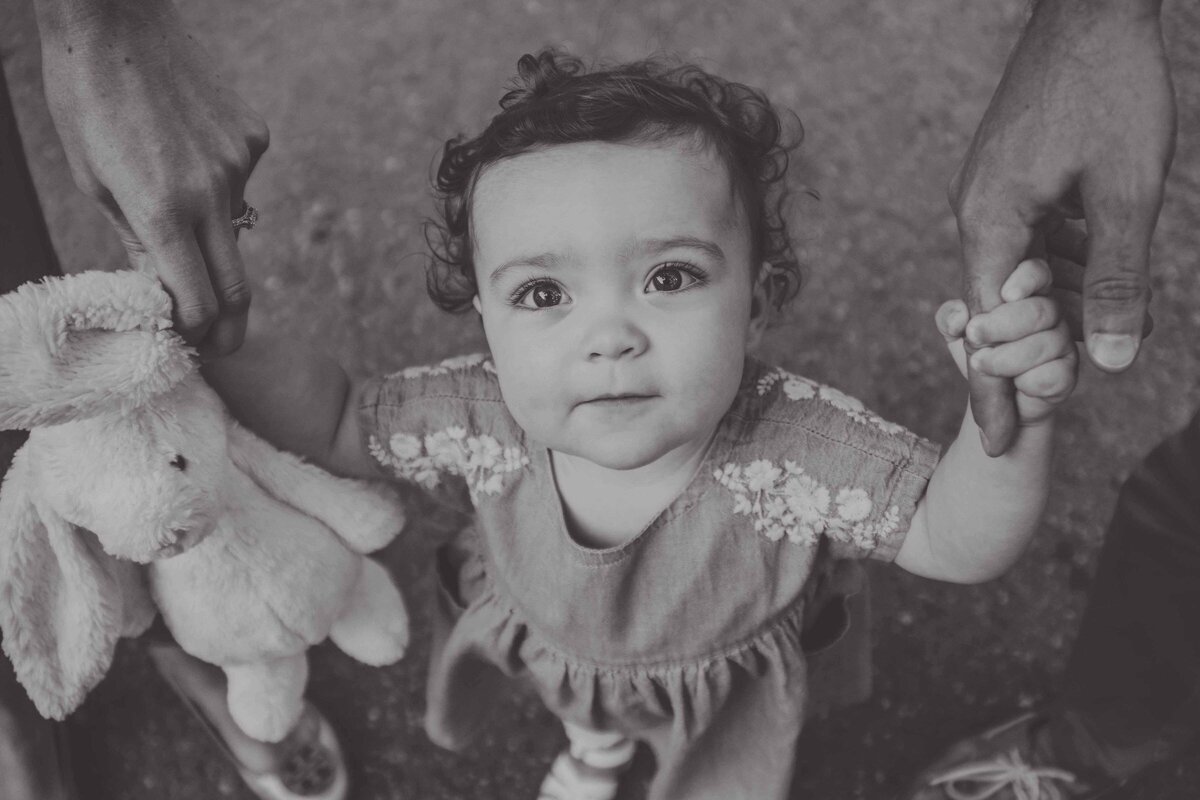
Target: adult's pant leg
{"points": [[1132, 688], [29, 758], [25, 250]]}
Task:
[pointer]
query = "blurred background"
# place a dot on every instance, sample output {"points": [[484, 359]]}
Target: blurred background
{"points": [[360, 96]]}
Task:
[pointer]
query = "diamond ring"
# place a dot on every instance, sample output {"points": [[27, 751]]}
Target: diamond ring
{"points": [[247, 218]]}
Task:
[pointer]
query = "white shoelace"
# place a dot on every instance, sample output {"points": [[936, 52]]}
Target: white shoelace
{"points": [[1007, 770]]}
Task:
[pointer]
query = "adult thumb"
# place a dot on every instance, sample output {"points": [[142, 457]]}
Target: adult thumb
{"points": [[1116, 286]]}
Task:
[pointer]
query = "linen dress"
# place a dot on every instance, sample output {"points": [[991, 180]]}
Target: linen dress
{"points": [[691, 636]]}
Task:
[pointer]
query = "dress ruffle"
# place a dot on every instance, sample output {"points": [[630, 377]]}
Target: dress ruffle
{"points": [[482, 641]]}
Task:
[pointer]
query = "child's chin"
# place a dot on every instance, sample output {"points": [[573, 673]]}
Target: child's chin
{"points": [[614, 454]]}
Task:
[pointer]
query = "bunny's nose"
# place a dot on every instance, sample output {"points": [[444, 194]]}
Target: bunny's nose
{"points": [[175, 544], [168, 550], [180, 539]]}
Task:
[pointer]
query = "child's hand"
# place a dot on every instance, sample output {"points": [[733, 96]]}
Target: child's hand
{"points": [[1024, 338]]}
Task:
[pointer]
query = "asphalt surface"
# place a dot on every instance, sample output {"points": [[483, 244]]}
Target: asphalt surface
{"points": [[359, 97]]}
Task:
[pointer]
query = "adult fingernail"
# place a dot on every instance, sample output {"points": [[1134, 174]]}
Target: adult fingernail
{"points": [[1113, 350], [984, 440]]}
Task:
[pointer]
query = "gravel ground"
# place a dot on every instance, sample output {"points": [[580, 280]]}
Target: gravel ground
{"points": [[360, 95]]}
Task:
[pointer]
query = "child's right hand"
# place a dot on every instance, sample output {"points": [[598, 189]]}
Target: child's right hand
{"points": [[1024, 338]]}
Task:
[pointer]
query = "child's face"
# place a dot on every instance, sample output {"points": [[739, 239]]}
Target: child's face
{"points": [[615, 288]]}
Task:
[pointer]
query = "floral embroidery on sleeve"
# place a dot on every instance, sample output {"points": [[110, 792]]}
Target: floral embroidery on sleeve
{"points": [[798, 388], [481, 460], [448, 365], [784, 501]]}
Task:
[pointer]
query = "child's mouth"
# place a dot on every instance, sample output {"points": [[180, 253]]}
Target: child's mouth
{"points": [[617, 399]]}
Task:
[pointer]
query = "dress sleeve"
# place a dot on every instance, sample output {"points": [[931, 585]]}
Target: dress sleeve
{"points": [[444, 428], [820, 464]]}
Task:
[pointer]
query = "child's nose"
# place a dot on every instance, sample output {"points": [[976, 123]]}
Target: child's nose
{"points": [[615, 336]]}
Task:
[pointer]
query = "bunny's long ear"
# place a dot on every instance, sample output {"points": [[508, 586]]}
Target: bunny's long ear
{"points": [[60, 608], [74, 345], [365, 515]]}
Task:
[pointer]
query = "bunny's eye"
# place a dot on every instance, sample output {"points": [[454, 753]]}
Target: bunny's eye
{"points": [[179, 463]]}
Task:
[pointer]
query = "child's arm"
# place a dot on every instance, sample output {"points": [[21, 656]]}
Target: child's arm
{"points": [[979, 512], [295, 397]]}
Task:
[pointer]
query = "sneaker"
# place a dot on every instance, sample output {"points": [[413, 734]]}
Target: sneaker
{"points": [[1008, 762]]}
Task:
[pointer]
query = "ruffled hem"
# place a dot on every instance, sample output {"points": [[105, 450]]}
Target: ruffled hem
{"points": [[481, 641]]}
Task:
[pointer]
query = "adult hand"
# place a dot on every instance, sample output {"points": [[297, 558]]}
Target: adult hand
{"points": [[1082, 125], [152, 133]]}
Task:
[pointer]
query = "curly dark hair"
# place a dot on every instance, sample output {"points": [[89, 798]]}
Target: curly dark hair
{"points": [[555, 100]]}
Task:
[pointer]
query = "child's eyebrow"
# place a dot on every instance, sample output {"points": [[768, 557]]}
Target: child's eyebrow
{"points": [[654, 246], [542, 261], [549, 261]]}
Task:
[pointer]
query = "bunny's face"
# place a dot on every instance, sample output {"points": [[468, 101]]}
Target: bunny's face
{"points": [[148, 483]]}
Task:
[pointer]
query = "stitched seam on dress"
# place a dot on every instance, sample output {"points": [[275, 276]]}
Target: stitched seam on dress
{"points": [[773, 626], [901, 464]]}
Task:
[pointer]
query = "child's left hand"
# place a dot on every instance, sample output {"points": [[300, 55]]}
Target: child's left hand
{"points": [[1024, 338]]}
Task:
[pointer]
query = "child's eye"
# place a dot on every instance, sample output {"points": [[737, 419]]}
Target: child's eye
{"points": [[539, 293], [674, 278]]}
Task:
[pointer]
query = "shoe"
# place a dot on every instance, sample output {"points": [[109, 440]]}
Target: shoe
{"points": [[312, 769], [593, 773], [1008, 762]]}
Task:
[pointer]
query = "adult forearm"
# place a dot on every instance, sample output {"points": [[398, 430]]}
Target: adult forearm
{"points": [[1092, 7], [284, 390], [86, 20]]}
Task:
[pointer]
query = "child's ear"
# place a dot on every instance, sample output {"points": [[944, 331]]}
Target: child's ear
{"points": [[760, 305]]}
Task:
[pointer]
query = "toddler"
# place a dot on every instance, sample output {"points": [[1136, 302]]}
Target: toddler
{"points": [[652, 507]]}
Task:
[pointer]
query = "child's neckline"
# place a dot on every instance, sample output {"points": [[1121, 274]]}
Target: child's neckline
{"points": [[598, 518]]}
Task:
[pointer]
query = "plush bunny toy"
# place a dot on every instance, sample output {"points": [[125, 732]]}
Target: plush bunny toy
{"points": [[252, 555]]}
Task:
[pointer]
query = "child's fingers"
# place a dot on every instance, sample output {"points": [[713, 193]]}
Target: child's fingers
{"points": [[1052, 382], [1008, 322], [1031, 277], [951, 319], [1014, 358]]}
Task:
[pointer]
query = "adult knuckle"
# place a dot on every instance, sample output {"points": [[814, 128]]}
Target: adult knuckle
{"points": [[196, 314], [258, 136], [1119, 289], [236, 297]]}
